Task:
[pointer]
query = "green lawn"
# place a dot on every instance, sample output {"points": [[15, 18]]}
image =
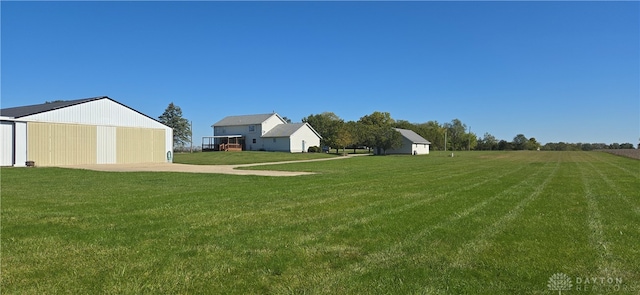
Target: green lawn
{"points": [[477, 223], [244, 157]]}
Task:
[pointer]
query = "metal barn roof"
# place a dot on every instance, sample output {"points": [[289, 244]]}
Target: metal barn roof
{"points": [[412, 136], [23, 111], [17, 112]]}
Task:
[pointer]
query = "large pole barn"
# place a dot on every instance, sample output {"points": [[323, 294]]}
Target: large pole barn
{"points": [[97, 130]]}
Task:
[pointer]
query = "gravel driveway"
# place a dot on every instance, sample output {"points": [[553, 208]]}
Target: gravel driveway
{"points": [[219, 169]]}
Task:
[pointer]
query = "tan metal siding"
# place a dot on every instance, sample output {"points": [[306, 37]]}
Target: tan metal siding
{"points": [[140, 145], [159, 146], [50, 144]]}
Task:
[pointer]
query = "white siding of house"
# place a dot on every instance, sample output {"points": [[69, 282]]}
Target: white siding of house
{"points": [[291, 143], [244, 131], [6, 143], [277, 144], [303, 134], [270, 123]]}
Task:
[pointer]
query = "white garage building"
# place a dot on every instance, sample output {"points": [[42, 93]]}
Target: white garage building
{"points": [[412, 144], [96, 130]]}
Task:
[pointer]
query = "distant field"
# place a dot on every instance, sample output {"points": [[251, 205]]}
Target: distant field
{"points": [[477, 223], [630, 153]]}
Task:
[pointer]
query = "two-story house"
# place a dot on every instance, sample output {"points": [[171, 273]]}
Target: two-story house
{"points": [[266, 132]]}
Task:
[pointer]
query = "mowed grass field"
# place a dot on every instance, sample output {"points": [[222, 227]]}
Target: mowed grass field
{"points": [[233, 158], [478, 223]]}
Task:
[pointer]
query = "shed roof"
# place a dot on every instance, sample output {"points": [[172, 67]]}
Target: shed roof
{"points": [[17, 112], [412, 136], [245, 120], [23, 111], [286, 130]]}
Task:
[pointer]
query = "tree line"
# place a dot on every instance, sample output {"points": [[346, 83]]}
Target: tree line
{"points": [[376, 130]]}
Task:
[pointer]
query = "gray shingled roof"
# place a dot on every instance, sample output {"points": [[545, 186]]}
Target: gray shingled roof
{"points": [[414, 137], [17, 112], [283, 130], [286, 130], [243, 120]]}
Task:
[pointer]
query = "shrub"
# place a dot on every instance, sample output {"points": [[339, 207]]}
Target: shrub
{"points": [[313, 149]]}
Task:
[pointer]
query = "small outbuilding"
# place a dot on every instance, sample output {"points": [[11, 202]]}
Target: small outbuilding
{"points": [[412, 144], [97, 130]]}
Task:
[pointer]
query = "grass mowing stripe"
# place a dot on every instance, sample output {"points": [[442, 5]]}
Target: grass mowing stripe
{"points": [[615, 186], [419, 202], [351, 184], [276, 203], [405, 206], [95, 232], [601, 158], [606, 268], [329, 247], [612, 248], [395, 252], [482, 241]]}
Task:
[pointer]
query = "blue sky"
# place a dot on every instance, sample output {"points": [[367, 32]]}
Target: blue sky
{"points": [[556, 71]]}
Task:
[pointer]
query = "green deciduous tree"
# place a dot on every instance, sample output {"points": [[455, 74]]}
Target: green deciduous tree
{"points": [[471, 140], [327, 124], [378, 131], [504, 145], [388, 138], [172, 117], [345, 136], [488, 142], [520, 142], [377, 119], [433, 132], [533, 144], [456, 135]]}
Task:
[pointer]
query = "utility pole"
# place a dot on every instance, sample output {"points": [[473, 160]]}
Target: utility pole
{"points": [[445, 140], [191, 136], [469, 146]]}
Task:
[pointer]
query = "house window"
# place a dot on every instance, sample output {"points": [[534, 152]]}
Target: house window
{"points": [[252, 128], [254, 140], [274, 140]]}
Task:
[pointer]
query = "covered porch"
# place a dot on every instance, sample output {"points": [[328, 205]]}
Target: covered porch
{"points": [[223, 143]]}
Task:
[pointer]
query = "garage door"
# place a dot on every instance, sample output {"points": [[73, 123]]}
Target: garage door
{"points": [[52, 144], [140, 145]]}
